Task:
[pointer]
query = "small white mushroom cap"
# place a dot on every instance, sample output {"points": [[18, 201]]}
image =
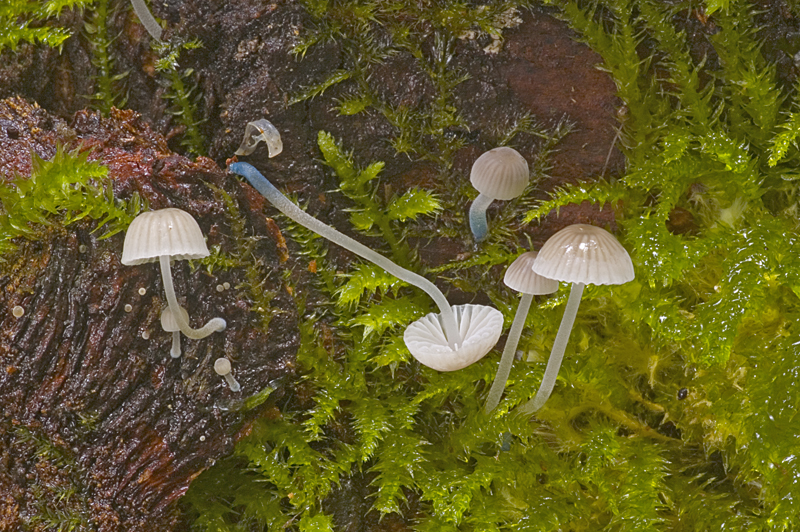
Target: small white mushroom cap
{"points": [[261, 130], [521, 278], [172, 232], [168, 322], [584, 254], [480, 327], [222, 366], [501, 173]]}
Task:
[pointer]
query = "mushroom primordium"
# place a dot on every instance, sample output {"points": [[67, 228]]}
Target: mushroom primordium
{"points": [[258, 131], [170, 324], [579, 254], [147, 19], [499, 174], [165, 235], [222, 366], [459, 331], [520, 277]]}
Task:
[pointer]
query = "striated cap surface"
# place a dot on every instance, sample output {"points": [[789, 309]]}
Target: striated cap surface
{"points": [[480, 328], [172, 232], [501, 173], [521, 277], [584, 254]]}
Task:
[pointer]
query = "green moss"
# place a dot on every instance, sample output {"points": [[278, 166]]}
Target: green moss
{"points": [[33, 22], [713, 310], [65, 189]]}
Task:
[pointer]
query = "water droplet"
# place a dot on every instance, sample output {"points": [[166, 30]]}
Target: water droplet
{"points": [[142, 291], [202, 438], [128, 308]]}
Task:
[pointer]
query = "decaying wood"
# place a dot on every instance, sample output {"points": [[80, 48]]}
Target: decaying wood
{"points": [[99, 425]]}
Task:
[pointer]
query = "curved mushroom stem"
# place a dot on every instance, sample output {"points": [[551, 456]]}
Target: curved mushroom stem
{"points": [[477, 216], [289, 209], [557, 353], [175, 352], [147, 19], [507, 359], [214, 325]]}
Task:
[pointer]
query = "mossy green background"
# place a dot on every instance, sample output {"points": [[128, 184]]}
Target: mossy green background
{"points": [[620, 445]]}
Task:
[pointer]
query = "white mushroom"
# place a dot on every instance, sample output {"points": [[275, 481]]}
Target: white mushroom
{"points": [[479, 327], [520, 277], [261, 130], [222, 366], [170, 324], [579, 254], [166, 235], [501, 173]]}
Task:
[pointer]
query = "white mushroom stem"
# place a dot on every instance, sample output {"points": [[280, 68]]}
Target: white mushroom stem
{"points": [[214, 325], [175, 352], [557, 353], [507, 359], [147, 19], [477, 216], [222, 366], [289, 209]]}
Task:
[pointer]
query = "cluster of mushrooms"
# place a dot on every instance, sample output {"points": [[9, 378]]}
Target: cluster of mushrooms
{"points": [[456, 336]]}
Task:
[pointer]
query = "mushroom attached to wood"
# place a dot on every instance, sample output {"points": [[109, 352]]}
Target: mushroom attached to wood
{"points": [[165, 235], [579, 254], [169, 324], [222, 367], [520, 277], [501, 173]]}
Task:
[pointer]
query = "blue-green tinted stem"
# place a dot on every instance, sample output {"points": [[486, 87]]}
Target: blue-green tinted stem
{"points": [[557, 353], [289, 209], [507, 359], [477, 217]]}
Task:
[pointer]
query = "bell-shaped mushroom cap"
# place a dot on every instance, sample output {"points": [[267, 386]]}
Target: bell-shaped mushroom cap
{"points": [[168, 322], [584, 254], [521, 278], [170, 232], [501, 173], [480, 327]]}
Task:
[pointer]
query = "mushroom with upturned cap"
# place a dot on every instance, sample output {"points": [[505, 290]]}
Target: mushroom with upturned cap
{"points": [[579, 254], [222, 366], [261, 130], [165, 235], [170, 324], [446, 319], [480, 327], [501, 173], [520, 277]]}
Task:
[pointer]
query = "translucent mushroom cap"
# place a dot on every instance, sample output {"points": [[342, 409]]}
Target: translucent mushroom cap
{"points": [[521, 278], [501, 173], [222, 366], [584, 254], [480, 327], [170, 232], [168, 322]]}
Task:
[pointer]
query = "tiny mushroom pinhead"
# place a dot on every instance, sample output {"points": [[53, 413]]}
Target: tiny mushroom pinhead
{"points": [[520, 277], [165, 235], [480, 327], [223, 368], [502, 174], [169, 324], [579, 254], [257, 131]]}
